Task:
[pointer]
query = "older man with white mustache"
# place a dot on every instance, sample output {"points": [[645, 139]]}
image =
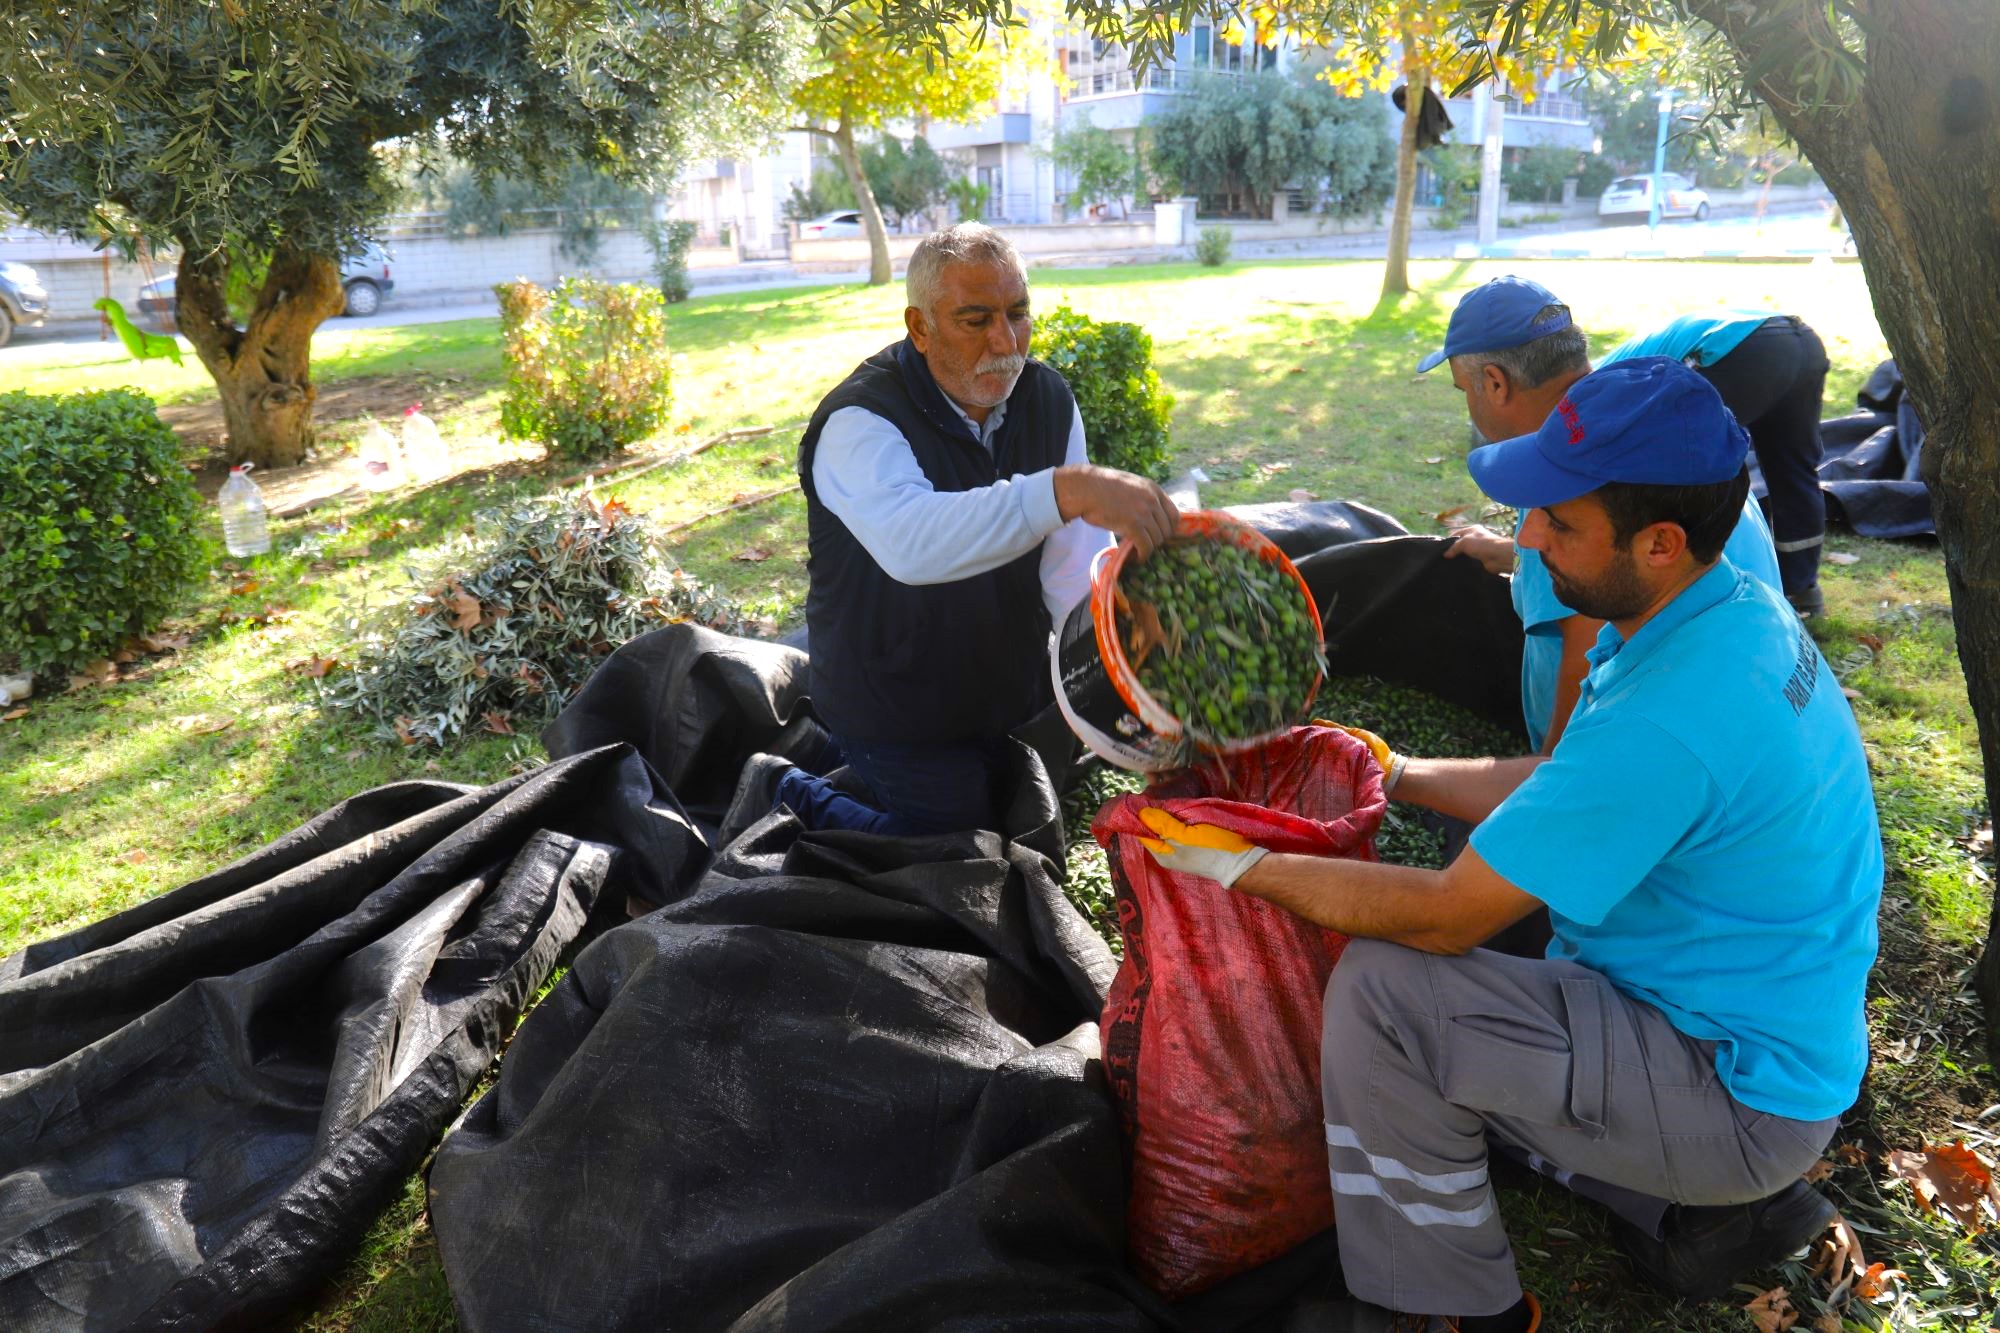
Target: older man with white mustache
{"points": [[952, 518]]}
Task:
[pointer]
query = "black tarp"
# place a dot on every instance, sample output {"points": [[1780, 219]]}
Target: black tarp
{"points": [[206, 1100], [837, 1082], [1870, 473]]}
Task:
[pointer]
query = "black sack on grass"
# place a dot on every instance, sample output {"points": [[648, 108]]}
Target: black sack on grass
{"points": [[205, 1101]]}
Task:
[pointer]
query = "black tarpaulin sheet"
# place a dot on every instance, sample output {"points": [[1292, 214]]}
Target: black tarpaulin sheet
{"points": [[207, 1099], [1870, 473]]}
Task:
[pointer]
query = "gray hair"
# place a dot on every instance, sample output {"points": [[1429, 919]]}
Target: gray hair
{"points": [[1535, 363], [966, 243]]}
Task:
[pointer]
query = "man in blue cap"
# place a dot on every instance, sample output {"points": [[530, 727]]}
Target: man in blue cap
{"points": [[1704, 837], [1514, 351]]}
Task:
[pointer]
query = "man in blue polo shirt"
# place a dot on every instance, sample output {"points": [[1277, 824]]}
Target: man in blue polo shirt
{"points": [[1514, 352], [1704, 837]]}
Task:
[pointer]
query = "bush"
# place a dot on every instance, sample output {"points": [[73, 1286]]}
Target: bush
{"points": [[1538, 174], [1212, 246], [99, 530], [502, 626], [670, 242], [1109, 367], [587, 369]]}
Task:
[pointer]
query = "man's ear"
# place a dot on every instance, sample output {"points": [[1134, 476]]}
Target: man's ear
{"points": [[1661, 544], [1494, 381], [919, 328]]}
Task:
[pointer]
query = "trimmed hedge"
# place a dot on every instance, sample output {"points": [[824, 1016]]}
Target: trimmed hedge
{"points": [[99, 525], [1109, 367], [588, 370]]}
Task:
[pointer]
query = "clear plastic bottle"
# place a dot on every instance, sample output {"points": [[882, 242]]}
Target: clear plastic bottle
{"points": [[246, 526], [423, 448], [381, 461]]}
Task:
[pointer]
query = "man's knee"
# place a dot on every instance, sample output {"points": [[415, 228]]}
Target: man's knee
{"points": [[1372, 978]]}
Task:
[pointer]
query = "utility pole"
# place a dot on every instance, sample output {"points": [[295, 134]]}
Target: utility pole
{"points": [[1494, 111], [1659, 163]]}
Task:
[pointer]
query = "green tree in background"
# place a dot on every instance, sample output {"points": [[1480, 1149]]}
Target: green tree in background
{"points": [[1101, 165], [908, 179]]}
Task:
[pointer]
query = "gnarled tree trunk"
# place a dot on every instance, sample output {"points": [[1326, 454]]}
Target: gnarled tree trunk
{"points": [[1914, 167], [1396, 273], [262, 371]]}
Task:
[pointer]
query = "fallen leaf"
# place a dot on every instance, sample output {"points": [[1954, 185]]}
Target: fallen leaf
{"points": [[1435, 458], [125, 655], [1873, 642], [101, 672], [1772, 1311], [464, 608], [1300, 495], [1818, 1171], [752, 554], [1828, 1322], [1852, 1153], [244, 586], [1872, 1281], [204, 724], [1842, 558], [497, 723], [313, 667], [1850, 693], [1286, 409], [683, 428], [13, 715], [134, 857], [165, 643], [1296, 370], [769, 460], [1950, 1178], [1447, 515], [403, 732], [323, 567]]}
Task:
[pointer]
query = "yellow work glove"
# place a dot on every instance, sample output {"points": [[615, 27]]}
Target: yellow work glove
{"points": [[1391, 762], [1206, 850]]}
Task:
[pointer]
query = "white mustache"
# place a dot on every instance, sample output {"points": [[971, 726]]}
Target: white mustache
{"points": [[1001, 365]]}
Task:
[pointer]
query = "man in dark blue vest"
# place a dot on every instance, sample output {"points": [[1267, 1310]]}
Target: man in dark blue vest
{"points": [[952, 518]]}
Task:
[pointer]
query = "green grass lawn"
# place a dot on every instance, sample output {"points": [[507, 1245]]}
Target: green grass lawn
{"points": [[1286, 375]]}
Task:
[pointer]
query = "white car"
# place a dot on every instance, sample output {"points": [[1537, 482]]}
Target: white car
{"points": [[364, 275], [1680, 197], [831, 226]]}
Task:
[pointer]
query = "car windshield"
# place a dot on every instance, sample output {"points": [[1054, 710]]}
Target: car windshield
{"points": [[1629, 183]]}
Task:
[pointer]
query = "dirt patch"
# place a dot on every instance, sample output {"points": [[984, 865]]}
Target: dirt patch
{"points": [[340, 405]]}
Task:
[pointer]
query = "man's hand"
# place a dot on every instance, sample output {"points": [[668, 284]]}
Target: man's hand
{"points": [[1207, 850], [1391, 762], [1130, 506], [1486, 546]]}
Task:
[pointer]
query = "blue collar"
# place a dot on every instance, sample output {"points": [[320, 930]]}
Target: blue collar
{"points": [[1614, 657]]}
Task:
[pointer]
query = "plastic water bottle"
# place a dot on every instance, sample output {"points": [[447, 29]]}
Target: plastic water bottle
{"points": [[381, 461], [423, 447], [246, 526]]}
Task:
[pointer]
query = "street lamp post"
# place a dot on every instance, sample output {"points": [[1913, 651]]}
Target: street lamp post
{"points": [[1659, 163]]}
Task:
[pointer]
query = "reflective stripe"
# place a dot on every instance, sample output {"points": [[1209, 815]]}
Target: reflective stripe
{"points": [[1802, 544], [1417, 1214], [1449, 1182]]}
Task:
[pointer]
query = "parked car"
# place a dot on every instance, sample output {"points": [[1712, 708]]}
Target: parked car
{"points": [[831, 226], [365, 275], [23, 299], [1680, 197]]}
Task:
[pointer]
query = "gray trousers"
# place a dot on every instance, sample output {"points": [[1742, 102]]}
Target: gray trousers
{"points": [[1423, 1057]]}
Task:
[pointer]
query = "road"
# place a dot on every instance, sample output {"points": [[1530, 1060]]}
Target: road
{"points": [[1795, 234]]}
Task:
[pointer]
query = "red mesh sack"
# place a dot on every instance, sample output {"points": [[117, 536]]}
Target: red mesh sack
{"points": [[1211, 1031]]}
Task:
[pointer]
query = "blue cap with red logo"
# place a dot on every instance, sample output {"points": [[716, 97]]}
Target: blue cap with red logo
{"points": [[1498, 315], [1648, 420]]}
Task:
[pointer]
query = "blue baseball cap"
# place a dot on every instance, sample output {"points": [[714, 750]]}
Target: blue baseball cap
{"points": [[1497, 315], [1649, 420]]}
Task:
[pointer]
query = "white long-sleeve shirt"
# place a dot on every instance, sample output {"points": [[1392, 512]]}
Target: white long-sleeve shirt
{"points": [[868, 477]]}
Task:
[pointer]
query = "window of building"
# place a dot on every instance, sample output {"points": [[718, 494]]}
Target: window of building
{"points": [[1203, 37]]}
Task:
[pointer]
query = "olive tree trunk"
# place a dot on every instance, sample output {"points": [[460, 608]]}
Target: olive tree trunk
{"points": [[1396, 273], [263, 371], [879, 269], [1914, 167]]}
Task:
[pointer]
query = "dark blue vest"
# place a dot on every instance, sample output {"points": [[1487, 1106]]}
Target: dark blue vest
{"points": [[940, 663]]}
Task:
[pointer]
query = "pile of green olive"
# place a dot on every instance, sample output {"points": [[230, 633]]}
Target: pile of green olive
{"points": [[1223, 640]]}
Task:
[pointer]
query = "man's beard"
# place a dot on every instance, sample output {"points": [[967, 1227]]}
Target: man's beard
{"points": [[1009, 367], [1618, 595]]}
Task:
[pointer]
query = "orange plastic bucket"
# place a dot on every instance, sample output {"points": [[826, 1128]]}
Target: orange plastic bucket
{"points": [[1097, 687]]}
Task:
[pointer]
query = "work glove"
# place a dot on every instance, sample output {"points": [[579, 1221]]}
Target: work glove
{"points": [[1207, 850], [1391, 762]]}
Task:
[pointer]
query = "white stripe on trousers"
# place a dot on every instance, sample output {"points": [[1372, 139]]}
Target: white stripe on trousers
{"points": [[1417, 1214], [1450, 1182]]}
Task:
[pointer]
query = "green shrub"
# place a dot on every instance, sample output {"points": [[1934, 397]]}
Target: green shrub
{"points": [[500, 627], [98, 525], [1109, 367], [1212, 246], [670, 242], [587, 365]]}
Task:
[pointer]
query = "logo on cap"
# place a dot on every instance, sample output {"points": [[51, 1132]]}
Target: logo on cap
{"points": [[1567, 411]]}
